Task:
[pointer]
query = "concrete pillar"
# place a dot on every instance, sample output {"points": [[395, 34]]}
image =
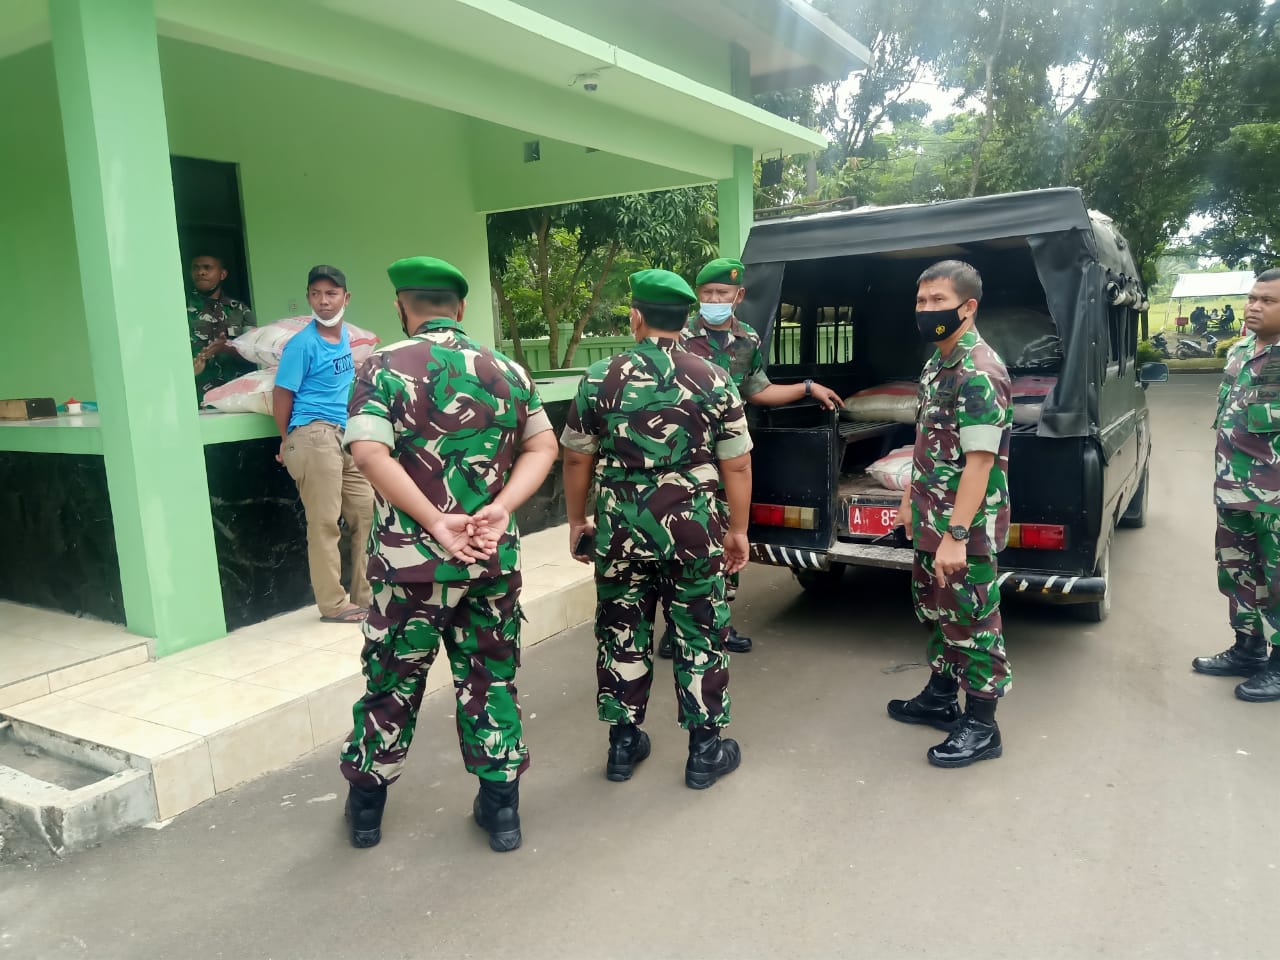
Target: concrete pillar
{"points": [[117, 145], [735, 197], [735, 203]]}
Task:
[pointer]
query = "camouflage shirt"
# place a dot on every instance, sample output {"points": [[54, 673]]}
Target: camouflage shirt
{"points": [[454, 414], [736, 348], [660, 420], [965, 406], [209, 318], [1247, 458]]}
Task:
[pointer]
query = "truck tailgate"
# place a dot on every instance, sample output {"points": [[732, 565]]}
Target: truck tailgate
{"points": [[794, 467]]}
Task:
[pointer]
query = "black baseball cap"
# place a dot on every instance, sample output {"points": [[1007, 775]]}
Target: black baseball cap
{"points": [[325, 272]]}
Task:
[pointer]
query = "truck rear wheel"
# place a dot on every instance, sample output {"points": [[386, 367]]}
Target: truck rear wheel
{"points": [[822, 583], [1097, 611]]}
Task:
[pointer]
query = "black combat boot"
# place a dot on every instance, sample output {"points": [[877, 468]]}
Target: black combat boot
{"points": [[1244, 659], [710, 757], [628, 745], [936, 705], [497, 809], [667, 648], [736, 642], [975, 738], [364, 813], [1263, 686]]}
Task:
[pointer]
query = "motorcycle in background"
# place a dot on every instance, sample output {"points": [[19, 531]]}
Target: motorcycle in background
{"points": [[1161, 344], [1195, 350]]}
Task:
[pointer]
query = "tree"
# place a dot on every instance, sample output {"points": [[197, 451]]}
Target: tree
{"points": [[567, 254], [904, 37], [1242, 192], [505, 231], [1244, 200], [1168, 97], [1127, 99]]}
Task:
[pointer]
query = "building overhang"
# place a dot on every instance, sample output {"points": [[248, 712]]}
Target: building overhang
{"points": [[494, 60]]}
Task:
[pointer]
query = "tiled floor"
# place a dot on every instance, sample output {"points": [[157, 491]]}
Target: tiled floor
{"points": [[219, 714], [42, 651]]}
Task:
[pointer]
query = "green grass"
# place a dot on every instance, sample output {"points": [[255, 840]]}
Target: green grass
{"points": [[1162, 315], [1199, 365]]}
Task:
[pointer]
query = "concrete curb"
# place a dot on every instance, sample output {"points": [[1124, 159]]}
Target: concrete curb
{"points": [[69, 820]]}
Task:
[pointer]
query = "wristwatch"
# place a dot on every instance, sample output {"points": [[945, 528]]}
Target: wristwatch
{"points": [[808, 388], [958, 533]]}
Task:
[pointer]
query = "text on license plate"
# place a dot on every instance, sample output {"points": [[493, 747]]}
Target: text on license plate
{"points": [[871, 519]]}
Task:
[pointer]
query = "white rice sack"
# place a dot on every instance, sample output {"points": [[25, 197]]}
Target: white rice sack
{"points": [[265, 345], [1027, 413], [893, 470], [894, 401], [248, 394]]}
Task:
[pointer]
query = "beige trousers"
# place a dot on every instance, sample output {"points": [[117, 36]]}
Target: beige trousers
{"points": [[331, 487]]}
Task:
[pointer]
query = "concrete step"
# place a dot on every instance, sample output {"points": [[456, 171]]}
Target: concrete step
{"points": [[70, 793], [64, 666], [165, 736]]}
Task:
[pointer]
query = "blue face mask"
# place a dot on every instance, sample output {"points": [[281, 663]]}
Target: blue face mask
{"points": [[716, 314]]}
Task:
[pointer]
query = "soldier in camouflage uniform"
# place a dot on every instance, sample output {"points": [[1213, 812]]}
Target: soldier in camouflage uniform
{"points": [[213, 320], [453, 438], [715, 334], [659, 429], [1247, 492], [957, 511]]}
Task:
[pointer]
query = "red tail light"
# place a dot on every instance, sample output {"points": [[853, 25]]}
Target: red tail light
{"points": [[767, 515], [776, 515], [1038, 536]]}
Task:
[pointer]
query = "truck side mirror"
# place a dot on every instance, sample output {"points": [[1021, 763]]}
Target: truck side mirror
{"points": [[1153, 373]]}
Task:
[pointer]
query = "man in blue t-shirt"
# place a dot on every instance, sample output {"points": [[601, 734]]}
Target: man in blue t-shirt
{"points": [[310, 402]]}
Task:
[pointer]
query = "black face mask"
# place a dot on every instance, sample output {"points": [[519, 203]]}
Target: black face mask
{"points": [[935, 325]]}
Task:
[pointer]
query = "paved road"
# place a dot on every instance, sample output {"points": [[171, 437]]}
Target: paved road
{"points": [[1128, 817]]}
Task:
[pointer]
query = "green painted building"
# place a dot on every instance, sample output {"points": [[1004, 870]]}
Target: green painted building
{"points": [[340, 131]]}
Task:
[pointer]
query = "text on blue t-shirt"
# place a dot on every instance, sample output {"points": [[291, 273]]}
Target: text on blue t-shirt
{"points": [[319, 373]]}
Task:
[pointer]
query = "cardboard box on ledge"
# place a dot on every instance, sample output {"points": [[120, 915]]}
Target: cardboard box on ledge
{"points": [[32, 408]]}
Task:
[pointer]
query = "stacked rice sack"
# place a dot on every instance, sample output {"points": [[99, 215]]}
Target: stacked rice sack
{"points": [[894, 401], [893, 470], [264, 346]]}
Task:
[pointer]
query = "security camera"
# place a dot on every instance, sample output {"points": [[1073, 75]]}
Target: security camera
{"points": [[590, 82]]}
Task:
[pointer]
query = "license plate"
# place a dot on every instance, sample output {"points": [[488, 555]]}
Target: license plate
{"points": [[871, 519]]}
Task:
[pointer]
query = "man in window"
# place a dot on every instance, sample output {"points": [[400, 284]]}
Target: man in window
{"points": [[213, 320]]}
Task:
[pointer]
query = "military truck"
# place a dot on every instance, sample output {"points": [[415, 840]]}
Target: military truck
{"points": [[832, 296]]}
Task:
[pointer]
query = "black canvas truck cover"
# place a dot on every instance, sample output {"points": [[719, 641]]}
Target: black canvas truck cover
{"points": [[1083, 265]]}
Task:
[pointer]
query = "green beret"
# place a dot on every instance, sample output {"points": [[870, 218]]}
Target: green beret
{"points": [[427, 273], [661, 286], [724, 270]]}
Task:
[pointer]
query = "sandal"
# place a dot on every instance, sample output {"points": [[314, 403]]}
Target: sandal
{"points": [[349, 615]]}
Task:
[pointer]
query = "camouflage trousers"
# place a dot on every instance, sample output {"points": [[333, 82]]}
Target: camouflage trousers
{"points": [[1248, 550], [478, 622], [967, 639], [692, 595]]}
